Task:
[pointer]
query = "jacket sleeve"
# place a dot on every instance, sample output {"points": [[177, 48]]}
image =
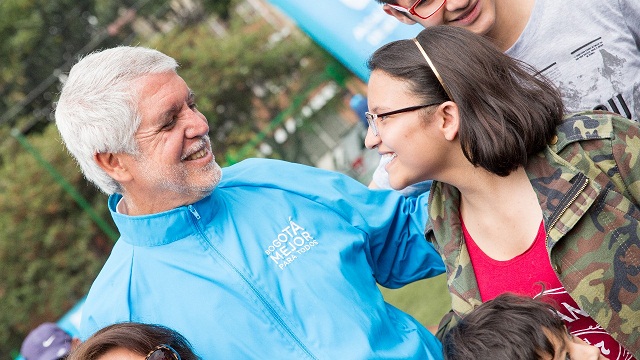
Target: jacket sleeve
{"points": [[398, 249], [108, 299], [392, 226], [626, 153], [448, 321]]}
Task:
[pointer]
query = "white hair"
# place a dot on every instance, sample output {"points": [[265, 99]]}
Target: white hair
{"points": [[97, 110]]}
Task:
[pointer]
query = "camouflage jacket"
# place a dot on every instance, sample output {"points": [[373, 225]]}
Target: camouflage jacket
{"points": [[588, 184]]}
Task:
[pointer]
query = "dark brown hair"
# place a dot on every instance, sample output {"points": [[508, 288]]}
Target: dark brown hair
{"points": [[507, 111], [505, 328], [136, 337]]}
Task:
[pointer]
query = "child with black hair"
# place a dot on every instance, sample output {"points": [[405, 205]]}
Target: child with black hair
{"points": [[515, 327]]}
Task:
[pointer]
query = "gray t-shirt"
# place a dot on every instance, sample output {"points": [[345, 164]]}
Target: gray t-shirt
{"points": [[589, 49]]}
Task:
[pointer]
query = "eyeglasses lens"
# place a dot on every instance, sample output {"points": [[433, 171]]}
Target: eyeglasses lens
{"points": [[162, 354], [426, 8], [371, 120]]}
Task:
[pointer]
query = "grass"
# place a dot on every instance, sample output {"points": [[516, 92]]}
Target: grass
{"points": [[426, 300]]}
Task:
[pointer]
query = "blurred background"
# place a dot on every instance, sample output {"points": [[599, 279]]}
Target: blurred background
{"points": [[275, 79]]}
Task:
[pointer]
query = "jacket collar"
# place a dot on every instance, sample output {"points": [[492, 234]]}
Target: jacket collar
{"points": [[564, 193], [164, 227], [444, 220]]}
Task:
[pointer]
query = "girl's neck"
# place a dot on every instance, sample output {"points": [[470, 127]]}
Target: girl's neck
{"points": [[502, 214], [485, 191]]}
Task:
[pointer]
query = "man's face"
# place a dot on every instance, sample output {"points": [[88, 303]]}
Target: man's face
{"points": [[175, 165], [478, 16]]}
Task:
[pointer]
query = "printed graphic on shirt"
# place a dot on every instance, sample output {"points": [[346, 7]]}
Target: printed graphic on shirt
{"points": [[580, 324], [292, 242], [607, 82]]}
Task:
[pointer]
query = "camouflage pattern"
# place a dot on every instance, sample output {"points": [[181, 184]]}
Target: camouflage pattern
{"points": [[588, 185]]}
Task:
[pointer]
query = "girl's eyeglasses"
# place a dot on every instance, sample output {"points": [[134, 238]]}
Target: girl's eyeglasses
{"points": [[163, 352], [371, 117]]}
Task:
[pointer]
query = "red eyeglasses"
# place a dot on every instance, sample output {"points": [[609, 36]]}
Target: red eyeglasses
{"points": [[163, 352], [423, 9]]}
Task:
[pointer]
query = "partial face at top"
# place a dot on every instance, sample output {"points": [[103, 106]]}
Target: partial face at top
{"points": [[175, 165], [120, 354], [411, 140], [478, 16]]}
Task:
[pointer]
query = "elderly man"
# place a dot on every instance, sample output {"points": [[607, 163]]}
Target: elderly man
{"points": [[264, 259]]}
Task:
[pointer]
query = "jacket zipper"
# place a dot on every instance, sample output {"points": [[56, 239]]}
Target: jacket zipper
{"points": [[573, 198], [264, 301]]}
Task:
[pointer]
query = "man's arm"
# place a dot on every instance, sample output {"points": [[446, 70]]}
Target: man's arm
{"points": [[392, 224]]}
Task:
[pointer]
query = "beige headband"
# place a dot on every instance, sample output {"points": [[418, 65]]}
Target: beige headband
{"points": [[433, 68]]}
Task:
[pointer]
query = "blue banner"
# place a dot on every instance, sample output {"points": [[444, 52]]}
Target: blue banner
{"points": [[351, 30]]}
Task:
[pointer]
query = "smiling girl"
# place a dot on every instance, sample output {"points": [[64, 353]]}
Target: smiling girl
{"points": [[523, 197]]}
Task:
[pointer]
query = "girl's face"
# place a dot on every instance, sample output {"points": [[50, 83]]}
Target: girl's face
{"points": [[411, 139]]}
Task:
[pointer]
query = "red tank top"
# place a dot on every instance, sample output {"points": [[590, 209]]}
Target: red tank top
{"points": [[529, 274]]}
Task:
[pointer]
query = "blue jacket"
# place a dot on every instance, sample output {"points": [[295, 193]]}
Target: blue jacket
{"points": [[279, 262]]}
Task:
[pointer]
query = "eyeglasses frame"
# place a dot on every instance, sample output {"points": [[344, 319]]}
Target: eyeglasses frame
{"points": [[412, 9], [371, 117], [160, 347]]}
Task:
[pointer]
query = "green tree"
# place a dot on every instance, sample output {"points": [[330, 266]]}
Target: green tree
{"points": [[38, 38], [49, 249], [41, 39]]}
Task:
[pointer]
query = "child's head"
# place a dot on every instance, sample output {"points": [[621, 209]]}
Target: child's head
{"points": [[514, 327]]}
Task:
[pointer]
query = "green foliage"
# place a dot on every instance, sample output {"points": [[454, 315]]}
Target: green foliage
{"points": [[426, 300], [219, 7], [38, 37], [49, 249]]}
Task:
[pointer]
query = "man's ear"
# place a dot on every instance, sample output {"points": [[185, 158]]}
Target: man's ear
{"points": [[402, 17], [450, 119], [113, 165]]}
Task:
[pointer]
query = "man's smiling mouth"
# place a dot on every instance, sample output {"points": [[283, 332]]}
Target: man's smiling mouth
{"points": [[197, 155]]}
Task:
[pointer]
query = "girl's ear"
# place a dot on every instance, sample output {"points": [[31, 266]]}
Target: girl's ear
{"points": [[449, 117], [113, 165], [402, 17]]}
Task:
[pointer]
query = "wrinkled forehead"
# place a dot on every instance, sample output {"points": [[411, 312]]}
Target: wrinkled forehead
{"points": [[158, 96]]}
